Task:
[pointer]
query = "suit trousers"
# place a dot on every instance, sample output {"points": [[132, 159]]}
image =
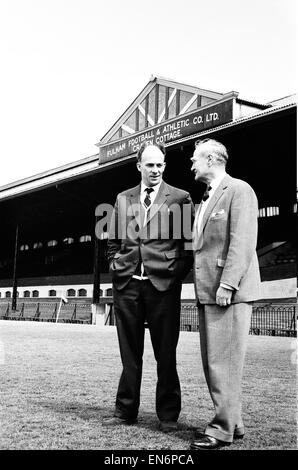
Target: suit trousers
{"points": [[223, 337], [138, 302]]}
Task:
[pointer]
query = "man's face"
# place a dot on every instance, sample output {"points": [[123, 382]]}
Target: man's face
{"points": [[201, 163], [152, 165]]}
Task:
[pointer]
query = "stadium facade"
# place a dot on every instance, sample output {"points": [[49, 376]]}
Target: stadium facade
{"points": [[48, 243]]}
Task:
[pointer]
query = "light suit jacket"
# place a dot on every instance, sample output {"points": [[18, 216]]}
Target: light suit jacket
{"points": [[160, 244], [225, 247]]}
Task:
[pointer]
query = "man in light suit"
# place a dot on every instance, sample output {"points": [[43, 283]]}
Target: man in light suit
{"points": [[148, 260], [227, 280]]}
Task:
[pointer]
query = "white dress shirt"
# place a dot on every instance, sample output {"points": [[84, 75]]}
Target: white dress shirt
{"points": [[204, 204], [202, 209], [152, 195]]}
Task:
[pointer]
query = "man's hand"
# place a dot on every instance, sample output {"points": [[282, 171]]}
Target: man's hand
{"points": [[223, 296]]}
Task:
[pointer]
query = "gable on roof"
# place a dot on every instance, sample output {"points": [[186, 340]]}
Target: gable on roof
{"points": [[160, 100]]}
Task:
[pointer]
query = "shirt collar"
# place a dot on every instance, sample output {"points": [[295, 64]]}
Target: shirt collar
{"points": [[216, 182], [155, 188]]}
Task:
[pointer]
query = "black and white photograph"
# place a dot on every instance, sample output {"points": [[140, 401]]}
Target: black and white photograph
{"points": [[148, 209]]}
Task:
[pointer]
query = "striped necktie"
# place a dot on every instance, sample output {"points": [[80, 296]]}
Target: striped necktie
{"points": [[147, 200]]}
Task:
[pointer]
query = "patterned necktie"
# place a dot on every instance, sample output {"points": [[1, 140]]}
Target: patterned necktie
{"points": [[206, 193], [147, 200]]}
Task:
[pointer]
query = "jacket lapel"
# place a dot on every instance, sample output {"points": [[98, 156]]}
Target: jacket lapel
{"points": [[215, 198], [136, 205], [160, 199]]}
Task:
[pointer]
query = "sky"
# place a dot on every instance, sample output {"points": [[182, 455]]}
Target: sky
{"points": [[70, 68]]}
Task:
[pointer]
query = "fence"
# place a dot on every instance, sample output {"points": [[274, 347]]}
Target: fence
{"points": [[267, 319], [189, 318], [273, 320], [47, 312]]}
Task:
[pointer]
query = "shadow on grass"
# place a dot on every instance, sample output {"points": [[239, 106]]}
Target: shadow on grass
{"points": [[79, 410], [147, 421]]}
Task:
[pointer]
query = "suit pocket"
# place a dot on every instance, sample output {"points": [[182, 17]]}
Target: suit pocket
{"points": [[171, 254], [113, 265], [221, 262], [218, 217]]}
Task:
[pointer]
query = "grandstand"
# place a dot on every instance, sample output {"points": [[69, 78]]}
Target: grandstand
{"points": [[48, 247]]}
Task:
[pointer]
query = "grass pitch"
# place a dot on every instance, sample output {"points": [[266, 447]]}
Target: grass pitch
{"points": [[58, 381]]}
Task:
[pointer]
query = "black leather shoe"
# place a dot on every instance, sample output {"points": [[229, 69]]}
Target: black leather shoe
{"points": [[199, 434], [115, 421], [168, 426], [207, 443]]}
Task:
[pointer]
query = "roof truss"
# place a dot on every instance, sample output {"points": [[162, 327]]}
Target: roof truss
{"points": [[160, 100]]}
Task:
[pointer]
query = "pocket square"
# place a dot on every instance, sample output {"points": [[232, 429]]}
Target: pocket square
{"points": [[214, 214]]}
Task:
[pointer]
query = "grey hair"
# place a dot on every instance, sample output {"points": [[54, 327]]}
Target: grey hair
{"points": [[219, 150]]}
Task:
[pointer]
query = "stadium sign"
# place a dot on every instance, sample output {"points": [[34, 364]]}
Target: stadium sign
{"points": [[169, 131]]}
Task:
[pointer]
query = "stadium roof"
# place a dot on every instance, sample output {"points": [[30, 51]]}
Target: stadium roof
{"points": [[190, 98]]}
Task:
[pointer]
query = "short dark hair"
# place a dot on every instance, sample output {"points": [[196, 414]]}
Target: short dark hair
{"points": [[147, 143]]}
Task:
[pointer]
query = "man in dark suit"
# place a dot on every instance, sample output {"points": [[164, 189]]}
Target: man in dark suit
{"points": [[227, 280], [148, 260]]}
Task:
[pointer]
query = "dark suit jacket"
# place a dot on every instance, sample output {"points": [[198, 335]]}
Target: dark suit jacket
{"points": [[160, 244]]}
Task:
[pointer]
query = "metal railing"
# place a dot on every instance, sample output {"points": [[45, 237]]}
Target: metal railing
{"points": [[189, 318], [47, 312], [267, 319], [272, 320]]}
